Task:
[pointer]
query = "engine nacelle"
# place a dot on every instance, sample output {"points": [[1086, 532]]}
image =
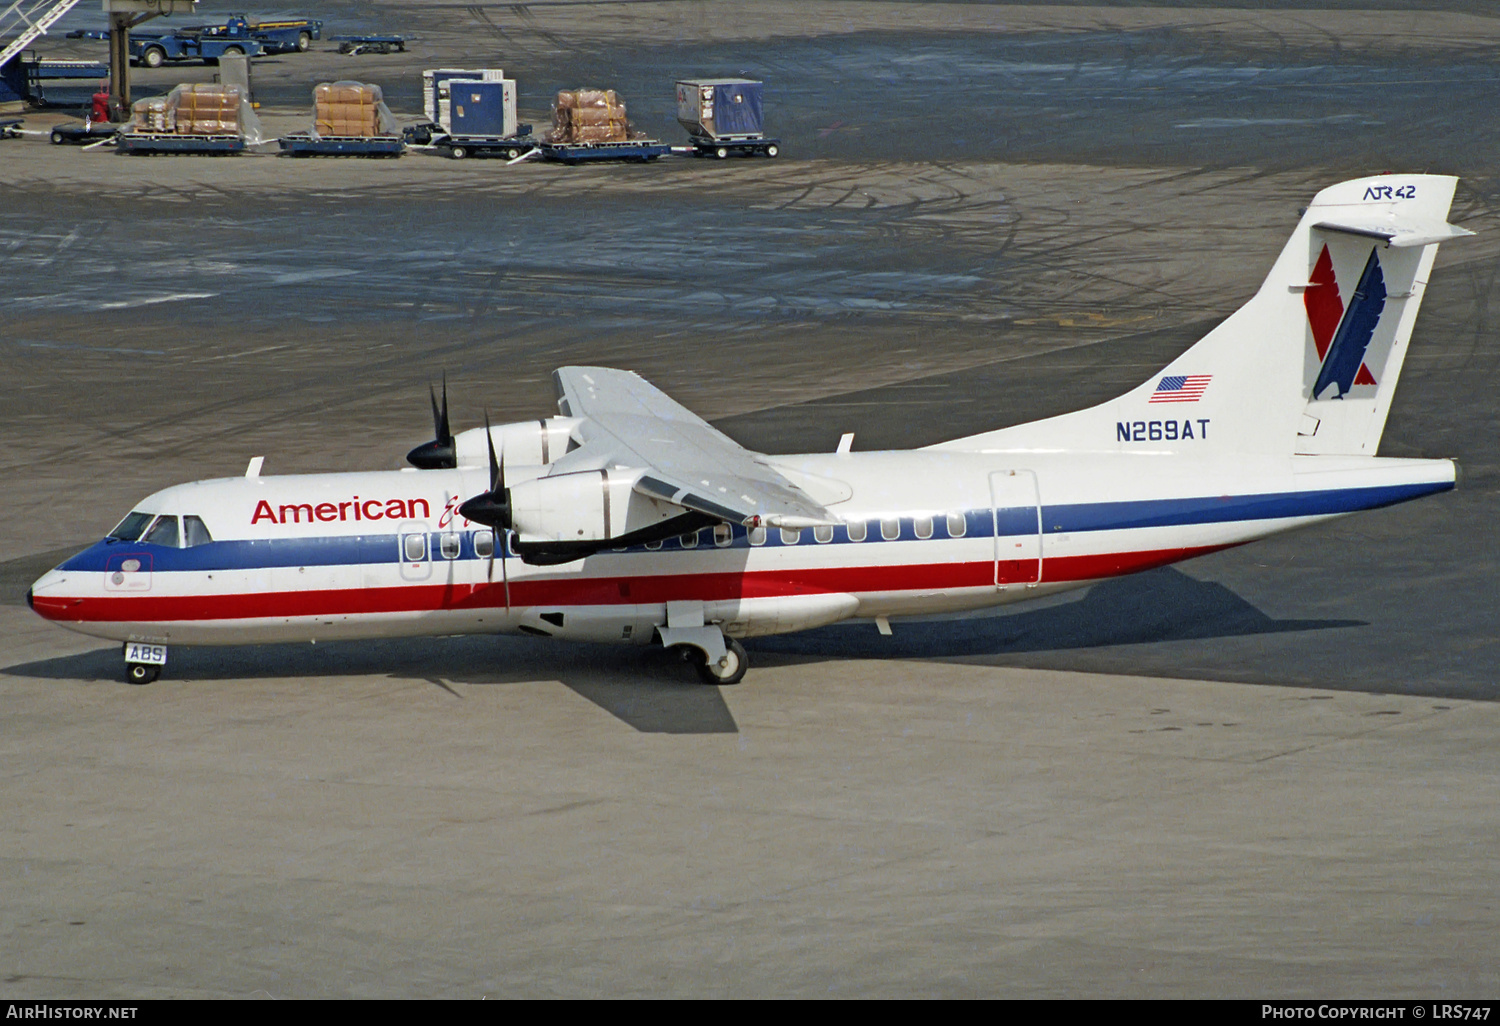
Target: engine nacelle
{"points": [[587, 507], [530, 442]]}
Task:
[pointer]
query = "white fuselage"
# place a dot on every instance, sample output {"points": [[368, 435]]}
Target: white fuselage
{"points": [[328, 556]]}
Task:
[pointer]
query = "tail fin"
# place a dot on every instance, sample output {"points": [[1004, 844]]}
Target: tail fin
{"points": [[1309, 365]]}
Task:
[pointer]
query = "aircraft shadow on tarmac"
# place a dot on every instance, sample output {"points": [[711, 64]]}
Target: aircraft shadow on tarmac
{"points": [[1159, 605], [648, 689]]}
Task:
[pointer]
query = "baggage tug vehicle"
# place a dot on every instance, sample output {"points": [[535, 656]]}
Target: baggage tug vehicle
{"points": [[628, 519]]}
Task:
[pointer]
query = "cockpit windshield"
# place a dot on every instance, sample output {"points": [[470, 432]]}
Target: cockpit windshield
{"points": [[195, 532], [163, 532], [151, 529], [131, 527]]}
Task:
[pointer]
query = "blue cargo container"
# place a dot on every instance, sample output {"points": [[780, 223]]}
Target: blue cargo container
{"points": [[482, 108], [720, 108]]}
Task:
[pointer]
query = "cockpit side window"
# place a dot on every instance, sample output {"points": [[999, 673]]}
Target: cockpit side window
{"points": [[131, 527], [195, 532], [163, 532]]}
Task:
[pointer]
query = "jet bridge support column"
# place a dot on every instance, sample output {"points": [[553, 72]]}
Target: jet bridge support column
{"points": [[125, 15]]}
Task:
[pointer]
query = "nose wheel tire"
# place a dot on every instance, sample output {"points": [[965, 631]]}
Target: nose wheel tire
{"points": [[144, 673], [731, 670]]}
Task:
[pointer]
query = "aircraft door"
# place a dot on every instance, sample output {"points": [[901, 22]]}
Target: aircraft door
{"points": [[416, 551], [1017, 518]]}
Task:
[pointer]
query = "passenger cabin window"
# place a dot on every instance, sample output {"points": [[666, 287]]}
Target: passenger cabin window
{"points": [[922, 527], [414, 546], [163, 532], [790, 535], [823, 534], [857, 530], [448, 545], [958, 526], [723, 535], [484, 544], [757, 536], [890, 528], [195, 532], [131, 527]]}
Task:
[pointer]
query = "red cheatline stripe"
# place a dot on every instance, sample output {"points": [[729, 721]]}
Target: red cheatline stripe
{"points": [[597, 591]]}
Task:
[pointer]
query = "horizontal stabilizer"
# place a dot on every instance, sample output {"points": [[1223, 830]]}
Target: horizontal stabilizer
{"points": [[1397, 233]]}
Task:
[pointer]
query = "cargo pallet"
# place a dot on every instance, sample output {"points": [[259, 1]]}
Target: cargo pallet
{"points": [[639, 151], [510, 147], [355, 45], [149, 143], [744, 146], [300, 144]]}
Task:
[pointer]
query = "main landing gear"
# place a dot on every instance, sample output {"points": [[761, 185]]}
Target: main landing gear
{"points": [[728, 669], [718, 659], [143, 663]]}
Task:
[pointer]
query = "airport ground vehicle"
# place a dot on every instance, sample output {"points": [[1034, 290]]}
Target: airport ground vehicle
{"points": [[185, 45], [628, 519], [281, 35]]}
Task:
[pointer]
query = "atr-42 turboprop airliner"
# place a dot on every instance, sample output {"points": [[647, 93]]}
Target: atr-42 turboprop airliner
{"points": [[629, 519]]}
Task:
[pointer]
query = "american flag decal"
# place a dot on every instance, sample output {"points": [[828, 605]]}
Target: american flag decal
{"points": [[1181, 388]]}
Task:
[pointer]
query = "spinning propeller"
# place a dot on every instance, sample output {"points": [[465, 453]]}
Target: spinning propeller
{"points": [[492, 508], [438, 454]]}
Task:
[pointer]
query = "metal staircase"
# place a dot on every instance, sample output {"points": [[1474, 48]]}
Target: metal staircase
{"points": [[31, 20]]}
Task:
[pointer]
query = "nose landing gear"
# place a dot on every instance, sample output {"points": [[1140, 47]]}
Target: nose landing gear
{"points": [[143, 662]]}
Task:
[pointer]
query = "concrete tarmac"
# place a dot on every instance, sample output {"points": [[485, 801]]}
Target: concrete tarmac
{"points": [[1265, 773]]}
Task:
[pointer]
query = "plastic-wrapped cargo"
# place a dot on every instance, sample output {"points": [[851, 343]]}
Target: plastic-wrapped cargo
{"points": [[589, 116], [203, 108], [350, 110], [151, 115], [720, 108]]}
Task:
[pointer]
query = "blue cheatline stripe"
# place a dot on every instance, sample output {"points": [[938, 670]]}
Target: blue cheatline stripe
{"points": [[269, 553], [1118, 516]]}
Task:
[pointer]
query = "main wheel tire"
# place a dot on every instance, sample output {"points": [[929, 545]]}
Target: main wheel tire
{"points": [[457, 152], [304, 41], [733, 670], [141, 673], [153, 57], [771, 150]]}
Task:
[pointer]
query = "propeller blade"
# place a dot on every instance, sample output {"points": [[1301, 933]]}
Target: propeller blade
{"points": [[444, 432], [496, 469], [491, 508], [440, 453]]}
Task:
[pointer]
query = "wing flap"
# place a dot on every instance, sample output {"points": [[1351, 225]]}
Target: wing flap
{"points": [[630, 423]]}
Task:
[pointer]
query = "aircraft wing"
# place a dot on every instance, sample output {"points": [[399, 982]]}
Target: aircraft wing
{"points": [[630, 423]]}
